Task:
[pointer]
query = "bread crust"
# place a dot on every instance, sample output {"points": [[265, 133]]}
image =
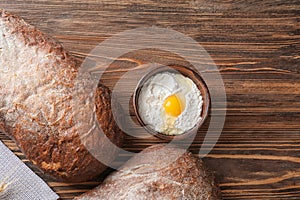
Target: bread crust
{"points": [[158, 172], [36, 92]]}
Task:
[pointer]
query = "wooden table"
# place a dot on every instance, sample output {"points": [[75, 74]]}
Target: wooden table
{"points": [[255, 45]]}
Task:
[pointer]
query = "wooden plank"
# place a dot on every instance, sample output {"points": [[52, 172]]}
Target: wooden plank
{"points": [[255, 45]]}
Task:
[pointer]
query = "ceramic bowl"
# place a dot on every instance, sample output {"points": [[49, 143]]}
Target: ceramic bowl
{"points": [[196, 78]]}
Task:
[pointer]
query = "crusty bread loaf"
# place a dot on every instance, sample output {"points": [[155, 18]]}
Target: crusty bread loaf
{"points": [[37, 78], [158, 173]]}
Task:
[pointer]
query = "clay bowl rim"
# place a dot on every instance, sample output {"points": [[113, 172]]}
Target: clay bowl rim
{"points": [[187, 72]]}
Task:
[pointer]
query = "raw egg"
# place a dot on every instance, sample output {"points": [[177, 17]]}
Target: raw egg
{"points": [[173, 105]]}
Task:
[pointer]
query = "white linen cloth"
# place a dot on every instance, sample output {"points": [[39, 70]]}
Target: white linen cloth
{"points": [[22, 183]]}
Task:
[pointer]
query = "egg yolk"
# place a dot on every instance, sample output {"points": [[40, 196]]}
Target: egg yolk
{"points": [[173, 106]]}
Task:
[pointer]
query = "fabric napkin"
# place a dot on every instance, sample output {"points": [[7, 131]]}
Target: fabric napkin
{"points": [[23, 183]]}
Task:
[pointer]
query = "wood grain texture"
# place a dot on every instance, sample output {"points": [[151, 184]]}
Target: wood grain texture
{"points": [[255, 45]]}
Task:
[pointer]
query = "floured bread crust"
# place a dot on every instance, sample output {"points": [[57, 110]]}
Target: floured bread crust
{"points": [[37, 80], [158, 173]]}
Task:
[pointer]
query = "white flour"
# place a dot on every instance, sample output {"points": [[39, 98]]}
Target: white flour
{"points": [[153, 94]]}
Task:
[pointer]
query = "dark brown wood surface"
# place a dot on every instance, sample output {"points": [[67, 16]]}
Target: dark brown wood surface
{"points": [[255, 45]]}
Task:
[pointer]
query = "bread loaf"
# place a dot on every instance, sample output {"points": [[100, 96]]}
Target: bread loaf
{"points": [[37, 80], [158, 173]]}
